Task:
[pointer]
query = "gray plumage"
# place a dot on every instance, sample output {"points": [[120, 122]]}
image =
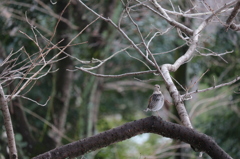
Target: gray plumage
{"points": [[156, 100]]}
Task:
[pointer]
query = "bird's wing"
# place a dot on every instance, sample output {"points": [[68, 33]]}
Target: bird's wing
{"points": [[154, 98]]}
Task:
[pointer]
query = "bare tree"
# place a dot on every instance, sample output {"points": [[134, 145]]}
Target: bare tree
{"points": [[34, 68], [26, 72]]}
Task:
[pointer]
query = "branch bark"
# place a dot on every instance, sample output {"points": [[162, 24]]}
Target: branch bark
{"points": [[234, 13], [8, 125], [151, 124]]}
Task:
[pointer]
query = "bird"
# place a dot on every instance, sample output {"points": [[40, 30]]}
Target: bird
{"points": [[156, 100]]}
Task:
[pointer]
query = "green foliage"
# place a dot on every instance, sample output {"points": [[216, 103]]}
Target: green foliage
{"points": [[134, 148], [221, 122], [223, 125]]}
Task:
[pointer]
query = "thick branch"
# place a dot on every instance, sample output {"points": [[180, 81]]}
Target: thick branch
{"points": [[147, 125], [235, 27], [170, 85], [233, 14], [8, 125]]}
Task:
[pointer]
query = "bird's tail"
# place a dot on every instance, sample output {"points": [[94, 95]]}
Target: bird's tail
{"points": [[146, 110]]}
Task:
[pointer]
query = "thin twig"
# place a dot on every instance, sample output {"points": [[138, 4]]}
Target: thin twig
{"points": [[214, 87], [170, 21], [116, 76]]}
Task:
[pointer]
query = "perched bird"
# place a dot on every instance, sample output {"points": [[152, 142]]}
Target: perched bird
{"points": [[156, 100]]}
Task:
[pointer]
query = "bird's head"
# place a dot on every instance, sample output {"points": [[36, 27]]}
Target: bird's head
{"points": [[157, 87]]}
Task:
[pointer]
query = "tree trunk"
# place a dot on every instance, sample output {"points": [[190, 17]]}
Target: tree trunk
{"points": [[62, 79]]}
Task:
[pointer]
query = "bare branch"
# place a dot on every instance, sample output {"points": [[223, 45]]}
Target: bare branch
{"points": [[101, 62], [170, 50], [120, 30], [212, 52], [34, 101], [19, 88], [215, 87], [215, 54], [194, 15], [54, 128], [235, 27], [169, 20], [147, 125], [8, 125], [233, 14], [221, 9], [198, 79], [116, 76], [138, 60], [47, 10], [194, 110]]}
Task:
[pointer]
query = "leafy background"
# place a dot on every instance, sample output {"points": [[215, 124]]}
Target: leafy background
{"points": [[98, 104]]}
